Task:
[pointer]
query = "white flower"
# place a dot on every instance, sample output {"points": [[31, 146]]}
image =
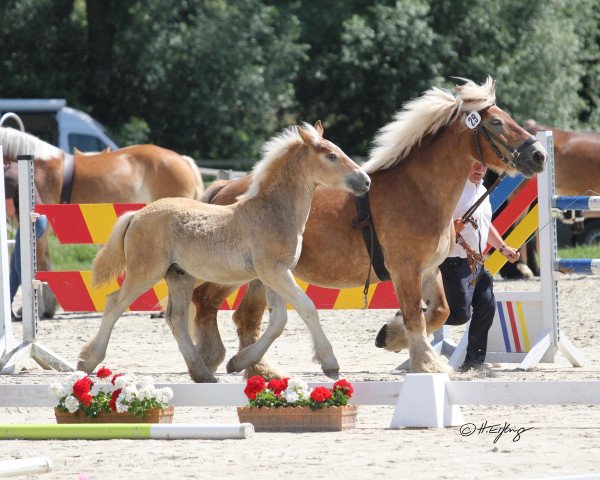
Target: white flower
{"points": [[146, 391], [299, 387], [125, 380], [164, 395], [129, 392], [71, 404], [291, 396], [121, 407]]}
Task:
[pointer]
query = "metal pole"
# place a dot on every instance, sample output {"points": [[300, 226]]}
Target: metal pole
{"points": [[7, 341], [28, 249]]}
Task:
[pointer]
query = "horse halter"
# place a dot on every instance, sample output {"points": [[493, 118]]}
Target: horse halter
{"points": [[515, 153]]}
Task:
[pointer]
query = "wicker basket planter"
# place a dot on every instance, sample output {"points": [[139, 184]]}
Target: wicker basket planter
{"points": [[299, 419], [155, 415]]}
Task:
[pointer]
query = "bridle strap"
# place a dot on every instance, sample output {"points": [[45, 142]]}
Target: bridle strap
{"points": [[492, 139]]}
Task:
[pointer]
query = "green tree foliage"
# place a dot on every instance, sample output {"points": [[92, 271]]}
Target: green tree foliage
{"points": [[215, 78], [212, 79], [532, 49], [386, 57], [42, 49]]}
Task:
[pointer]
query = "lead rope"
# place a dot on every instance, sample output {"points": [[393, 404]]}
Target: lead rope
{"points": [[475, 258]]}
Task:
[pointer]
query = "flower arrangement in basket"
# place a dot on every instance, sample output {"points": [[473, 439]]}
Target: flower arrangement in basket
{"points": [[114, 394], [289, 405]]}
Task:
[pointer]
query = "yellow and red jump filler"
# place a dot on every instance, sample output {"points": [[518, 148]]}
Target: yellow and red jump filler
{"points": [[92, 224]]}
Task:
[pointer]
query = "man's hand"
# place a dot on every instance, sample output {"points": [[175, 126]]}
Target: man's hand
{"points": [[459, 226], [511, 254]]}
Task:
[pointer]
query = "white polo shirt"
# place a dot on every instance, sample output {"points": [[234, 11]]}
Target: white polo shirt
{"points": [[477, 239]]}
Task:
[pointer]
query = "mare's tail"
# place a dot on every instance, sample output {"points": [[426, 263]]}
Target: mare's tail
{"points": [[110, 260], [197, 176]]}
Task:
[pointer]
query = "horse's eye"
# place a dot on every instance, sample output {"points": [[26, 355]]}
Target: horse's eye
{"points": [[331, 156], [496, 122]]}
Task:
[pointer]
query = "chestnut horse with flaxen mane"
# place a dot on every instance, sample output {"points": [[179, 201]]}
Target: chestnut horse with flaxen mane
{"points": [[418, 167]]}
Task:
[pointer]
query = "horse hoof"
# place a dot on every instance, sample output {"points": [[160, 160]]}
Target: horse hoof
{"points": [[231, 368], [204, 379], [81, 366], [381, 337], [333, 374]]}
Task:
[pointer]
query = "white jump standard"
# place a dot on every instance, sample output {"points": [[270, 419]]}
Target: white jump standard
{"points": [[526, 327]]}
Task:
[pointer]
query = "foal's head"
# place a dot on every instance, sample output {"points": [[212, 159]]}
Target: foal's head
{"points": [[329, 165], [323, 162]]}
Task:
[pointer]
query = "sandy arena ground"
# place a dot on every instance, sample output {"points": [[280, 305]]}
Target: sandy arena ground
{"points": [[563, 440]]}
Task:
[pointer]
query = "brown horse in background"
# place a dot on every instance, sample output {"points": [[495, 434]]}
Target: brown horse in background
{"points": [[576, 172], [135, 174], [418, 169], [576, 160], [259, 236]]}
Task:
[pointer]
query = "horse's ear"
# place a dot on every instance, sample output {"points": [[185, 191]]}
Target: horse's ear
{"points": [[319, 127], [76, 151], [306, 136]]}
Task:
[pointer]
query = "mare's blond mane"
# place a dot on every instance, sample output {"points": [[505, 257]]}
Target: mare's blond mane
{"points": [[14, 142], [423, 116]]}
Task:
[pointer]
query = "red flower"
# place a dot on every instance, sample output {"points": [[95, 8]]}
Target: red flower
{"points": [[278, 386], [255, 385], [345, 386], [86, 398], [320, 394], [103, 373], [82, 387], [113, 400], [115, 377]]}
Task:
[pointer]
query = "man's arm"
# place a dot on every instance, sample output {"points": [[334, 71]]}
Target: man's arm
{"points": [[496, 241]]}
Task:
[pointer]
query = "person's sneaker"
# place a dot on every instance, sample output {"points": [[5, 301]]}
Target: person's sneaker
{"points": [[15, 318]]}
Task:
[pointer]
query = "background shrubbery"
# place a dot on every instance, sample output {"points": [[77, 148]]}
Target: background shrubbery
{"points": [[214, 78]]}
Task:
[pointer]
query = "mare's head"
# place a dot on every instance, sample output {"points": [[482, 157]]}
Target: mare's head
{"points": [[492, 136], [322, 161]]}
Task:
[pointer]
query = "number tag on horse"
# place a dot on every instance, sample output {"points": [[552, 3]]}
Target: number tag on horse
{"points": [[473, 119]]}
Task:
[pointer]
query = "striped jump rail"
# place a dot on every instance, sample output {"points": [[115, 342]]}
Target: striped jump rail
{"points": [[576, 203], [584, 266]]}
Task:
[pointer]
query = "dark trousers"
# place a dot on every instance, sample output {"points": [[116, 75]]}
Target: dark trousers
{"points": [[477, 304]]}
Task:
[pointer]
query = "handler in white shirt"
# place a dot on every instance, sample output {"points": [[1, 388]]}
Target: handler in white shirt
{"points": [[465, 301]]}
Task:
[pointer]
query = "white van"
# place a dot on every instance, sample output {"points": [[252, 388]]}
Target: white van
{"points": [[54, 122]]}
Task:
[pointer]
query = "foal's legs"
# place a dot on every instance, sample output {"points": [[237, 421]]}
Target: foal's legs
{"points": [[248, 318], [116, 303], [282, 282], [181, 286]]}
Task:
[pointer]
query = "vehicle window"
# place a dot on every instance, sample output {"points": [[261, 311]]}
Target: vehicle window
{"points": [[85, 143]]}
